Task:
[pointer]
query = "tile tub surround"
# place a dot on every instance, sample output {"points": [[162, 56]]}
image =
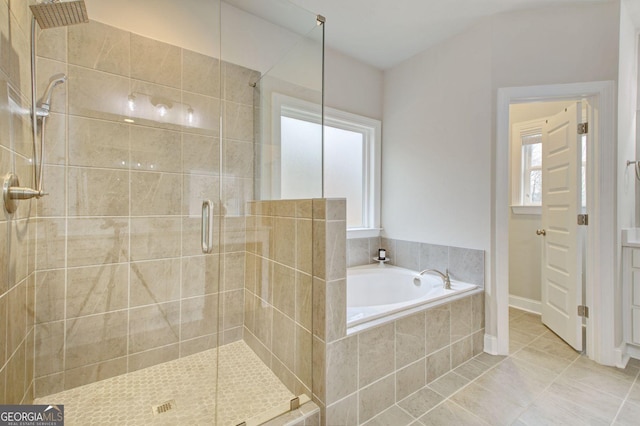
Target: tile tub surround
{"points": [[121, 282], [17, 231], [465, 265], [371, 370]]}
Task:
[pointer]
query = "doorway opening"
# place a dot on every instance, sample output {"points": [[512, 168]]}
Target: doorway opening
{"points": [[600, 247], [547, 168]]}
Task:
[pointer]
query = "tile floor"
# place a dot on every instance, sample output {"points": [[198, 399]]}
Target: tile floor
{"points": [[542, 382], [190, 381]]}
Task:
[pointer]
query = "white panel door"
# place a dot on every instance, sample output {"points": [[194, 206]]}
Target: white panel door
{"points": [[561, 204]]}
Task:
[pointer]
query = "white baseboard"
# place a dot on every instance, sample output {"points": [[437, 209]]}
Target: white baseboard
{"points": [[529, 305], [490, 344], [632, 351], [621, 356]]}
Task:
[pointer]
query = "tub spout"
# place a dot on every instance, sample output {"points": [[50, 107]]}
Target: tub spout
{"points": [[446, 280]]}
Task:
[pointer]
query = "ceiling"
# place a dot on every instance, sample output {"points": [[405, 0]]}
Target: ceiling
{"points": [[383, 33]]}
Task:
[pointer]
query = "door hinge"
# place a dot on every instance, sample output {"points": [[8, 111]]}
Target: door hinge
{"points": [[583, 219], [583, 128], [583, 311]]}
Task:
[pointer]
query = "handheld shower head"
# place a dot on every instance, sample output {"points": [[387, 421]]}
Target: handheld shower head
{"points": [[55, 80]]}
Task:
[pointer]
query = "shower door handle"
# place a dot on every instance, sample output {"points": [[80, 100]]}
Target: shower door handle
{"points": [[207, 226]]}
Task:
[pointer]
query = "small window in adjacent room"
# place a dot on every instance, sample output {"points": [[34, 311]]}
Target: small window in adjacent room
{"points": [[526, 169], [531, 170], [350, 165]]}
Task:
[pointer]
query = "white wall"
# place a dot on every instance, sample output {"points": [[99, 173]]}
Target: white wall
{"points": [[627, 102], [439, 120]]}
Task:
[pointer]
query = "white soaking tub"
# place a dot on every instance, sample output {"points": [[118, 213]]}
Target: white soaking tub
{"points": [[375, 291]]}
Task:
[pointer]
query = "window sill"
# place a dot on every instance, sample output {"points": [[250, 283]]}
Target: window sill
{"points": [[530, 210], [363, 233]]}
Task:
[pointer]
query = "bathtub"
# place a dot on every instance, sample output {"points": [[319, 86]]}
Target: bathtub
{"points": [[375, 291]]}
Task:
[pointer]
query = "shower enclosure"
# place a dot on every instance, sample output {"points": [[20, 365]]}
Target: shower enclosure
{"points": [[144, 280]]}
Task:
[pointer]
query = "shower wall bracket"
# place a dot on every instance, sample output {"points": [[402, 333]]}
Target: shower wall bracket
{"points": [[12, 192]]}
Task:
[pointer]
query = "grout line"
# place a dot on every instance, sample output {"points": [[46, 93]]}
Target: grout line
{"points": [[626, 397]]}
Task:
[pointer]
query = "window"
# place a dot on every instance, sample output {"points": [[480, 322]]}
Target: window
{"points": [[526, 138], [531, 170], [348, 168]]}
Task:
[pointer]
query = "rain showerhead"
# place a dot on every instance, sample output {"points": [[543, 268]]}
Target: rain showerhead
{"points": [[56, 13]]}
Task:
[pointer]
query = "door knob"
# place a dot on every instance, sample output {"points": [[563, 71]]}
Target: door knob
{"points": [[541, 232]]}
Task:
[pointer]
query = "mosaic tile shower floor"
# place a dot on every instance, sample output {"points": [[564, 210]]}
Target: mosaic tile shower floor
{"points": [[246, 386]]}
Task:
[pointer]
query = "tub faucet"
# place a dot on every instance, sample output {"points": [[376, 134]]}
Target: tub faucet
{"points": [[445, 277]]}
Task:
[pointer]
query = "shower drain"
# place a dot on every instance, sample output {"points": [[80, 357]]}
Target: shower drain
{"points": [[164, 407]]}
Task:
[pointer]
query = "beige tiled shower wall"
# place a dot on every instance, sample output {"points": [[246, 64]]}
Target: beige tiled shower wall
{"points": [[121, 280], [295, 287], [17, 231]]}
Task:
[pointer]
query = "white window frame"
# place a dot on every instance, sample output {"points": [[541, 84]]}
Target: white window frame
{"points": [[519, 130], [371, 130]]}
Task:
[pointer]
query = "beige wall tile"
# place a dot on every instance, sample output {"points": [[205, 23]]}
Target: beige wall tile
{"points": [[234, 271], [251, 262], [16, 378], [18, 251], [376, 398], [264, 280], [148, 98], [3, 329], [155, 281], [284, 289], [319, 208], [237, 83], [98, 143], [50, 295], [156, 194], [303, 356], [341, 368], [199, 316], [97, 241], [153, 357], [304, 306], [19, 64], [438, 328], [55, 139], [264, 323], [49, 349], [92, 373], [99, 46], [238, 159], [438, 363], [5, 228], [155, 62], [461, 318], [206, 113], [285, 241], [95, 94], [238, 122], [5, 58], [477, 311], [409, 379], [336, 250], [319, 368], [250, 301], [199, 344], [232, 306], [156, 325], [98, 192], [201, 154], [235, 191], [16, 316], [48, 385], [376, 353], [95, 339], [304, 209], [155, 238], [50, 246], [319, 323], [410, 339], [234, 234], [156, 150], [258, 348], [197, 188], [320, 246], [200, 275], [284, 339], [344, 412], [53, 205], [461, 351], [336, 310], [192, 235], [201, 73], [304, 245], [52, 43]]}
